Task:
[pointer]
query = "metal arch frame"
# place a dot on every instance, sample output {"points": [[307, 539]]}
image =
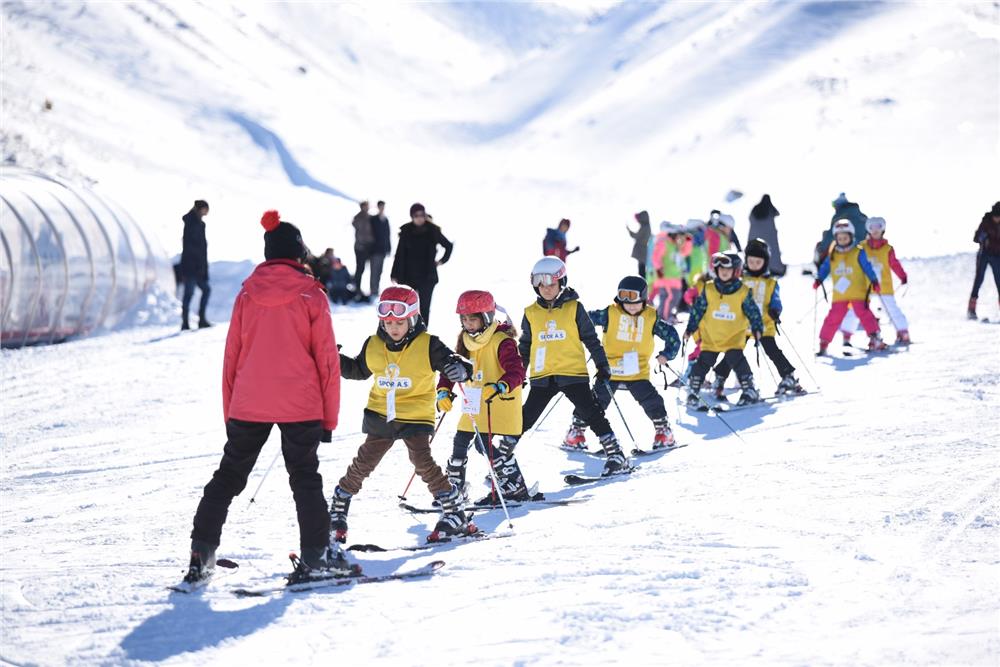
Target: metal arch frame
{"points": [[112, 206], [62, 249], [38, 267], [10, 285], [137, 290], [90, 261]]}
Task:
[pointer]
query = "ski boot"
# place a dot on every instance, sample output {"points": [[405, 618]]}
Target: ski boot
{"points": [[508, 473], [616, 463], [719, 388], [694, 386], [663, 437], [789, 385], [876, 344], [972, 310], [339, 506], [847, 339], [202, 563], [823, 345], [903, 337], [750, 393], [456, 475], [453, 522], [576, 439], [318, 563]]}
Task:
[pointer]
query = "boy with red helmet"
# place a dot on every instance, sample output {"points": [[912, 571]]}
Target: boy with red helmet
{"points": [[403, 357]]}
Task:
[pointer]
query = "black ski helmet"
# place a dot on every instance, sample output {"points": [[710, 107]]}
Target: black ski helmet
{"points": [[758, 248], [632, 284]]}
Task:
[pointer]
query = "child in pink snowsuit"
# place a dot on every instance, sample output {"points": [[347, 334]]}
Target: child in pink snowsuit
{"points": [[851, 274], [672, 246]]}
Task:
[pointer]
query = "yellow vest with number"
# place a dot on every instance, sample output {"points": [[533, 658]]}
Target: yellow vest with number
{"points": [[879, 258], [504, 413], [724, 326], [849, 282], [556, 348], [762, 289], [629, 335], [403, 378]]}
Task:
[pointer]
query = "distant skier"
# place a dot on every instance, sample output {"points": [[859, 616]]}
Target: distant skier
{"points": [[630, 327], [721, 315], [280, 367], [555, 330], [641, 236], [194, 264], [762, 226], [554, 243], [720, 235], [767, 295], [403, 357], [852, 274], [493, 393], [988, 237], [883, 259]]}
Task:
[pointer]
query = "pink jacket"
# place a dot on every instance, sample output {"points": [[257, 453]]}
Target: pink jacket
{"points": [[281, 362]]}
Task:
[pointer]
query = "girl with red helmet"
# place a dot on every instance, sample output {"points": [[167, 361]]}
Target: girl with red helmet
{"points": [[403, 357], [492, 394]]}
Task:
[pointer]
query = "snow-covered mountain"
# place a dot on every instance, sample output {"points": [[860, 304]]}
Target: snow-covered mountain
{"points": [[493, 112]]}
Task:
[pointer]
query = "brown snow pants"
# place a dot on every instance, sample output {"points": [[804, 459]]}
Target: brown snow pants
{"points": [[376, 446]]}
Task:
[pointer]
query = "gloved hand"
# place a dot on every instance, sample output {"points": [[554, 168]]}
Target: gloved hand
{"points": [[876, 287], [903, 281], [498, 388], [774, 313], [456, 370], [817, 283], [327, 436], [756, 338], [603, 374], [444, 400]]}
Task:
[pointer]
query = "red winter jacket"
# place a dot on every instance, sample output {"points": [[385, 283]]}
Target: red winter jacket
{"points": [[281, 362]]}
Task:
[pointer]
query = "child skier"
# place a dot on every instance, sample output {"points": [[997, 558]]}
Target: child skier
{"points": [[492, 395], [767, 295], [630, 325], [403, 357], [721, 315], [883, 259], [280, 367], [853, 273], [554, 331], [669, 264]]}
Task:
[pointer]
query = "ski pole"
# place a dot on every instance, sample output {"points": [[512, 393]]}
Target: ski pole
{"points": [[493, 474], [815, 304], [402, 497], [710, 408], [620, 414], [798, 356], [266, 473]]}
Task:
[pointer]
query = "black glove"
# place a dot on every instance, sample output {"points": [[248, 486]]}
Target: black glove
{"points": [[774, 313], [603, 374], [327, 436], [456, 370]]}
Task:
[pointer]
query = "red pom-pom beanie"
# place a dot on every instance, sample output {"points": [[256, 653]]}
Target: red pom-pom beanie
{"points": [[282, 240]]}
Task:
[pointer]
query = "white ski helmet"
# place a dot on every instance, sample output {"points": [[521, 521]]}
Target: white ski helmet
{"points": [[843, 226], [548, 270], [694, 224], [727, 220], [875, 223]]}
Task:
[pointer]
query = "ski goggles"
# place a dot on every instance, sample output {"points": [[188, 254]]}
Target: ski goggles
{"points": [[630, 295], [723, 262], [396, 309], [539, 279]]}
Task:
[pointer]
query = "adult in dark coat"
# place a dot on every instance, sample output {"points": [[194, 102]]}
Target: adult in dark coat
{"points": [[640, 251], [762, 227], [988, 237], [194, 263], [364, 245], [842, 210], [382, 245], [416, 259]]}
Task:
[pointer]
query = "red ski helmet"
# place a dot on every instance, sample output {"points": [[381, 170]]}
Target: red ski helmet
{"points": [[477, 302], [399, 302]]}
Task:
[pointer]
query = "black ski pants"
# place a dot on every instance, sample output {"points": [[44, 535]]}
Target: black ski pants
{"points": [[299, 442], [642, 391], [579, 394], [773, 352], [733, 359], [984, 260], [201, 283]]}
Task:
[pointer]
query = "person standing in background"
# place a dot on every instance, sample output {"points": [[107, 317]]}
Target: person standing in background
{"points": [[554, 243], [988, 237], [641, 248], [762, 227], [364, 245], [382, 246], [194, 263], [416, 262]]}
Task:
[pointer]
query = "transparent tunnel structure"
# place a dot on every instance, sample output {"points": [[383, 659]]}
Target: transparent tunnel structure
{"points": [[71, 262]]}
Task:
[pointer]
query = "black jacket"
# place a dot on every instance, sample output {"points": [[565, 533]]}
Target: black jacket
{"points": [[988, 235], [383, 242], [588, 336], [415, 262], [194, 255]]}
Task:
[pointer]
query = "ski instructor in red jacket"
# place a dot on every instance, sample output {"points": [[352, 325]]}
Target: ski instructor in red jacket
{"points": [[281, 367]]}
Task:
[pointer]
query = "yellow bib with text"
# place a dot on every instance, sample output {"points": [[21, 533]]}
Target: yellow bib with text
{"points": [[404, 388], [628, 342], [762, 289], [849, 282], [556, 348], [504, 413], [879, 258], [724, 326]]}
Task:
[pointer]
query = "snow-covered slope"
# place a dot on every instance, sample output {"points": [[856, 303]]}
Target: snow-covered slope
{"points": [[855, 526], [492, 111]]}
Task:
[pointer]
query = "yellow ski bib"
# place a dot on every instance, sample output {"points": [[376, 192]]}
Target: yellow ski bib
{"points": [[724, 326], [629, 342], [762, 289], [403, 389], [504, 413], [849, 282], [556, 348]]}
